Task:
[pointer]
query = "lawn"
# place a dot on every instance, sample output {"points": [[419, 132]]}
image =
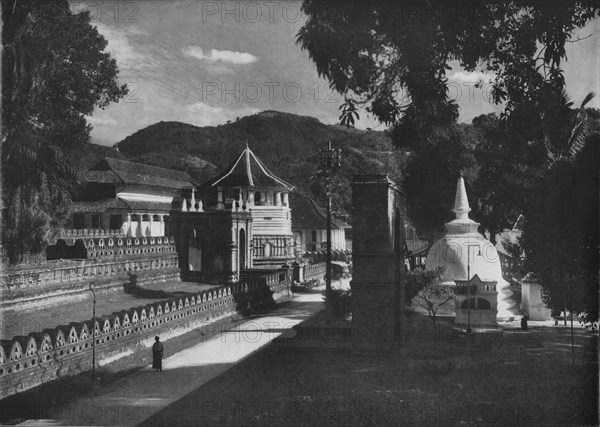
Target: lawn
{"points": [[436, 377]]}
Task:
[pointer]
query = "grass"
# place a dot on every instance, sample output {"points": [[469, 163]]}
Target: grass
{"points": [[436, 377]]}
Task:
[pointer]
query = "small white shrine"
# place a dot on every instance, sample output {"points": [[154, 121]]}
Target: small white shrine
{"points": [[464, 253]]}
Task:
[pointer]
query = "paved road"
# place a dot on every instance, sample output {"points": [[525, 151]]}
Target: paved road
{"points": [[138, 395]]}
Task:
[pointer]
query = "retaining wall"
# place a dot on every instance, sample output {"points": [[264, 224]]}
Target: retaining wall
{"points": [[54, 284], [29, 361]]}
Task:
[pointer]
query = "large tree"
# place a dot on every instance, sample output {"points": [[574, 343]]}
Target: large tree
{"points": [[374, 52], [560, 238], [392, 58], [54, 73]]}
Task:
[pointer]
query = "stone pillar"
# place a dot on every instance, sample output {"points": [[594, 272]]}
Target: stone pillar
{"points": [[284, 199], [150, 220], [277, 198], [220, 198], [128, 231], [161, 219], [378, 267]]}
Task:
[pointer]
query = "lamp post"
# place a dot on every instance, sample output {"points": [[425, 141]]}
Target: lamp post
{"points": [[92, 285], [329, 162], [469, 285]]}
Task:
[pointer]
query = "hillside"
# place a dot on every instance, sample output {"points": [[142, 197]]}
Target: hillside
{"points": [[287, 143]]}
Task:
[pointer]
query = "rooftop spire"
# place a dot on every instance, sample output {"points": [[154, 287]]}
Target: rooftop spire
{"points": [[461, 202]]}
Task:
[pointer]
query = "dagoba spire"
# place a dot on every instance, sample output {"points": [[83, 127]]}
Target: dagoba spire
{"points": [[461, 202]]}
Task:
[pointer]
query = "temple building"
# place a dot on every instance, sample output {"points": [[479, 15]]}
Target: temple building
{"points": [[237, 224], [238, 220], [464, 253], [309, 225], [126, 198]]}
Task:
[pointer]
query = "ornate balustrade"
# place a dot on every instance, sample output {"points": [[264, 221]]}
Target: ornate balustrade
{"points": [[39, 357], [75, 233], [128, 246], [110, 247]]}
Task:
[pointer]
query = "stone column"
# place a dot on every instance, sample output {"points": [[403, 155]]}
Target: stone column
{"points": [[161, 219], [277, 198], [378, 272], [150, 220], [129, 233], [220, 198]]}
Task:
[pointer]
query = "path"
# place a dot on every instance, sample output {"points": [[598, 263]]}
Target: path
{"points": [[138, 395]]}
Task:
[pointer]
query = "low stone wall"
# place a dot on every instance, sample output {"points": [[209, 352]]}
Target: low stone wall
{"points": [[315, 271], [46, 286], [29, 361], [116, 247]]}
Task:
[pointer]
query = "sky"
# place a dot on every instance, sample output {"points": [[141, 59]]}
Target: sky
{"points": [[208, 62]]}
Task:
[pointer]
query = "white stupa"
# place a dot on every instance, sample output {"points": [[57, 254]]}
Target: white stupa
{"points": [[464, 252]]}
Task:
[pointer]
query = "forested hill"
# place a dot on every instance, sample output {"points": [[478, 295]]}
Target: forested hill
{"points": [[288, 144]]}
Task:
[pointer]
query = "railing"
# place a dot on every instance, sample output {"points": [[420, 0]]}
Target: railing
{"points": [[315, 271], [112, 247], [336, 255], [90, 232], [279, 246]]}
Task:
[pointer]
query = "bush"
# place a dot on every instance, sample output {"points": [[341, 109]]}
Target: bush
{"points": [[338, 302]]}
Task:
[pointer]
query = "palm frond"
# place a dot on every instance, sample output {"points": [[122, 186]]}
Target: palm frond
{"points": [[580, 131], [587, 99]]}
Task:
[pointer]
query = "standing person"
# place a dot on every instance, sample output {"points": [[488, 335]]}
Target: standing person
{"points": [[157, 354]]}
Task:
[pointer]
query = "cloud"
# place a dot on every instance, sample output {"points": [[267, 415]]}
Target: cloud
{"points": [[237, 58], [120, 47]]}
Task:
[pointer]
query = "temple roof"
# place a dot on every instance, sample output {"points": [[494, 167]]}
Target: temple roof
{"points": [[117, 203], [115, 171], [247, 171], [306, 214]]}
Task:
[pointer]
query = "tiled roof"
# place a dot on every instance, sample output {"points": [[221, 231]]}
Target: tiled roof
{"points": [[115, 171], [248, 171], [116, 203], [99, 205], [306, 214]]}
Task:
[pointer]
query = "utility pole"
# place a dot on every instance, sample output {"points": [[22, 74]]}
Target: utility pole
{"points": [[469, 285], [329, 163]]}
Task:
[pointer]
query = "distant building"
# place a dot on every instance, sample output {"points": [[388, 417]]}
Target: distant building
{"points": [[126, 198], [309, 224], [416, 249]]}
